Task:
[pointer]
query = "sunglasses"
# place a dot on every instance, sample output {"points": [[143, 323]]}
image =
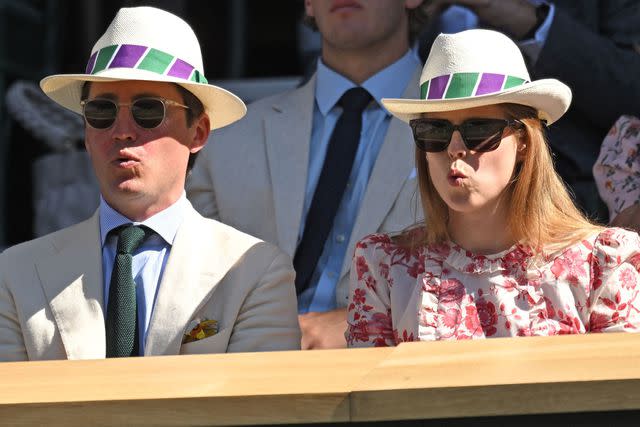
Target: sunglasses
{"points": [[480, 135], [148, 113]]}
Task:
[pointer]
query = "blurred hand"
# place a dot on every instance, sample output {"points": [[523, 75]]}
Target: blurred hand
{"points": [[513, 17], [323, 330], [628, 218]]}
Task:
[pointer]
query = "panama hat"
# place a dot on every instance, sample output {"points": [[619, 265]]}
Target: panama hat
{"points": [[474, 68], [145, 43]]}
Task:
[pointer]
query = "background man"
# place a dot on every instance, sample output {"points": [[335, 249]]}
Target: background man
{"points": [[315, 169], [146, 274]]}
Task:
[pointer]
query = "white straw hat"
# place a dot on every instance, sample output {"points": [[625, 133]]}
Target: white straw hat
{"points": [[145, 43], [475, 68]]}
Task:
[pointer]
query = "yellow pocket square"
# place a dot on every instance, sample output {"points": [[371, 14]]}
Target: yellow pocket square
{"points": [[201, 330]]}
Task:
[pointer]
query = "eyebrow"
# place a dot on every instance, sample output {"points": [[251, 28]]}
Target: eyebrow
{"points": [[112, 96]]}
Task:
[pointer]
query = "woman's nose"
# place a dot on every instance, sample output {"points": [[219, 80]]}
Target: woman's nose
{"points": [[456, 148]]}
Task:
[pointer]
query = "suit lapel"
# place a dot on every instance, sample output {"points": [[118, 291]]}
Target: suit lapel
{"points": [[392, 168], [73, 284], [287, 135], [196, 265]]}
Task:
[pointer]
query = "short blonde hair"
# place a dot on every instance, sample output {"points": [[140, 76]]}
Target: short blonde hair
{"points": [[542, 213]]}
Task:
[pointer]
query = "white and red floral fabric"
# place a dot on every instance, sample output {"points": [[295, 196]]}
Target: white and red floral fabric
{"points": [[444, 292]]}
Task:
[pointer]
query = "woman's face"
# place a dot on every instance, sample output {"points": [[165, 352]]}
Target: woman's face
{"points": [[470, 181]]}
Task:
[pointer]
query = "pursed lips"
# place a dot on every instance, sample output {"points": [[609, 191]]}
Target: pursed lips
{"points": [[344, 4], [126, 159], [455, 177]]}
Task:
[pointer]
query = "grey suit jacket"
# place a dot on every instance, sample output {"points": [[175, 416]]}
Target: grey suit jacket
{"points": [[51, 294], [252, 175]]}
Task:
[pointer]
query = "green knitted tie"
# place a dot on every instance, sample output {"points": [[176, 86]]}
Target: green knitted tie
{"points": [[121, 324]]}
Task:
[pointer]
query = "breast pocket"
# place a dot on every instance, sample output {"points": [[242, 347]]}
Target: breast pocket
{"points": [[215, 344]]}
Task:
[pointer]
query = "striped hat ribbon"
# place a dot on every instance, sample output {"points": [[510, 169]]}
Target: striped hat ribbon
{"points": [[142, 58], [464, 85]]}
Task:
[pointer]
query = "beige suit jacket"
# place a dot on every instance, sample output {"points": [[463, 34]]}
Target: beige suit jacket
{"points": [[252, 175], [51, 294]]}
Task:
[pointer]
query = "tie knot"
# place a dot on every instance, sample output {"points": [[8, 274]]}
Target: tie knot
{"points": [[355, 99], [130, 237]]}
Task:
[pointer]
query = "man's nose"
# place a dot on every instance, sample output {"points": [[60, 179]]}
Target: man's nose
{"points": [[124, 127]]}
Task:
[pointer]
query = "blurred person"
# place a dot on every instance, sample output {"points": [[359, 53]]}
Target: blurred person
{"points": [[617, 172], [589, 45], [146, 274], [301, 170], [503, 251]]}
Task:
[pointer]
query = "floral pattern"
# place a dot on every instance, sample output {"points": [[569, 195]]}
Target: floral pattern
{"points": [[444, 292], [617, 170]]}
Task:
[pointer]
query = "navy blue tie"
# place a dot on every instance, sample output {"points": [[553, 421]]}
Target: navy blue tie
{"points": [[336, 169]]}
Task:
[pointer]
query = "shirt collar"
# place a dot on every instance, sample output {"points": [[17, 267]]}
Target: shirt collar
{"points": [[165, 223], [389, 82]]}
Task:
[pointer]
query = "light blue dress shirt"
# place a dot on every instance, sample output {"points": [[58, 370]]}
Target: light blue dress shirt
{"points": [[458, 18], [330, 86], [149, 259]]}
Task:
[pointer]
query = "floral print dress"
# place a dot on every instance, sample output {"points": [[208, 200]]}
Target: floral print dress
{"points": [[617, 170], [443, 292]]}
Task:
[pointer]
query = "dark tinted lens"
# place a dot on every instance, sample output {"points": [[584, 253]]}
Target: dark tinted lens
{"points": [[147, 112], [482, 134], [100, 113], [431, 135]]}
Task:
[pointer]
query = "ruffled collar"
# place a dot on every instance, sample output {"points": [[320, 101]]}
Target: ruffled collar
{"points": [[515, 257]]}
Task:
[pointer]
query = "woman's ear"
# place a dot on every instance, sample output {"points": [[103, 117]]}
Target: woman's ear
{"points": [[522, 149]]}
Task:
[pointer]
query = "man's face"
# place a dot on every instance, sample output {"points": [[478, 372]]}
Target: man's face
{"points": [[360, 24], [142, 171]]}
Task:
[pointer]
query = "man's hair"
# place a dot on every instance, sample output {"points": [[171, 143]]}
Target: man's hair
{"points": [[418, 19], [194, 111]]}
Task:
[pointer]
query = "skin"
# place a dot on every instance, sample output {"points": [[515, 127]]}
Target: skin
{"points": [[515, 18], [472, 184], [360, 38], [142, 171], [628, 218]]}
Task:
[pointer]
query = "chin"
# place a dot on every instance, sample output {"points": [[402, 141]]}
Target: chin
{"points": [[463, 204]]}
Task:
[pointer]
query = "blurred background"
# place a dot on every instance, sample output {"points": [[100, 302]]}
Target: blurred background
{"points": [[252, 47]]}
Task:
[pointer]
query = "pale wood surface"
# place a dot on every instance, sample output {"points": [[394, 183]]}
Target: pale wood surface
{"points": [[503, 376], [417, 380], [243, 388]]}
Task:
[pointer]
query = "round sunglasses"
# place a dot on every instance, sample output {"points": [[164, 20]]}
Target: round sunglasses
{"points": [[481, 135], [148, 113]]}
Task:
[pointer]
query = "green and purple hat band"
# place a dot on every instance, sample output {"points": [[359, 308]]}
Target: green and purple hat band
{"points": [[465, 85], [143, 58]]}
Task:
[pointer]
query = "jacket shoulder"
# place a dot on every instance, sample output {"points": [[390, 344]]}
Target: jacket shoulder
{"points": [[252, 122], [49, 243]]}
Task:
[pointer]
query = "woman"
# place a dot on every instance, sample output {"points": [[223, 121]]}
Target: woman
{"points": [[504, 251], [617, 172]]}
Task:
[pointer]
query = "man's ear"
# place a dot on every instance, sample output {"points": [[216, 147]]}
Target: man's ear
{"points": [[200, 133], [308, 7], [409, 4]]}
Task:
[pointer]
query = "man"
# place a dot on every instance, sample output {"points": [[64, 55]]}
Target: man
{"points": [[311, 171], [586, 44], [146, 274]]}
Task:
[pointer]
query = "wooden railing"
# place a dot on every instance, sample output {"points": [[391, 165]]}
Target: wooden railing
{"points": [[494, 377]]}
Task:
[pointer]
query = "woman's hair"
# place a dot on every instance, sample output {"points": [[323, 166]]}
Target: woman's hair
{"points": [[541, 211]]}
